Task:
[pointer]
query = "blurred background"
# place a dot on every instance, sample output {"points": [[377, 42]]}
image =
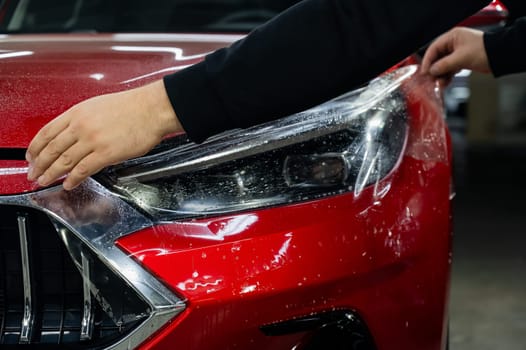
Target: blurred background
{"points": [[488, 286]]}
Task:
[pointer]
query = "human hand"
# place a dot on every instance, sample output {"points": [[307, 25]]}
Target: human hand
{"points": [[460, 48], [101, 131]]}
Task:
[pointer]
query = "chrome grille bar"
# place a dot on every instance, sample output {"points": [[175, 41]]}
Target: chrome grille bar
{"points": [[27, 320], [86, 330]]}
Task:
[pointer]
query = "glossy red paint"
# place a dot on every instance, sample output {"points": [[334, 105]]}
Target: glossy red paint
{"points": [[384, 254], [43, 75], [13, 177], [491, 15]]}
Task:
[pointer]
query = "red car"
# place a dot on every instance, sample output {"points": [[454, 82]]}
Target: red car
{"points": [[329, 229]]}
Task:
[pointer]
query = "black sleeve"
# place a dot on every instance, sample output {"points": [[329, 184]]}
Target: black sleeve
{"points": [[310, 53], [506, 48], [516, 8]]}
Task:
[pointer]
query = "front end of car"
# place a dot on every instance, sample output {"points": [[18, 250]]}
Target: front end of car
{"points": [[326, 229]]}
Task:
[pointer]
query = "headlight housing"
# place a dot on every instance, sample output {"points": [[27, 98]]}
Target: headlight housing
{"points": [[342, 145]]}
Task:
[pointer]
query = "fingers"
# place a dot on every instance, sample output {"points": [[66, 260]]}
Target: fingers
{"points": [[430, 56], [53, 152], [439, 48], [460, 48], [45, 136], [68, 160], [447, 66], [89, 165], [101, 131], [78, 162]]}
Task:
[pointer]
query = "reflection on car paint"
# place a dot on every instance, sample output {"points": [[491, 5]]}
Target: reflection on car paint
{"points": [[339, 251]]}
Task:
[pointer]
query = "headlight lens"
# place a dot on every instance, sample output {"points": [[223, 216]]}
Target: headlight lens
{"points": [[343, 145]]}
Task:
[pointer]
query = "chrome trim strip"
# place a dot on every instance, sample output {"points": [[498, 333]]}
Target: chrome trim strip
{"points": [[27, 320], [86, 330], [98, 218]]}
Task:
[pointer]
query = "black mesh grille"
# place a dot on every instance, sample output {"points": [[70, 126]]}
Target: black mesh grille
{"points": [[56, 284]]}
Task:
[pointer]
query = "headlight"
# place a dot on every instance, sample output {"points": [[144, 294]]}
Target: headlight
{"points": [[342, 145]]}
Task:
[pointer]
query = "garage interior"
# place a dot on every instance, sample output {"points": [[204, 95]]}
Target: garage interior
{"points": [[488, 286]]}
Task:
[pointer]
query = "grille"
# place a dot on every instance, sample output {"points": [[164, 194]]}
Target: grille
{"points": [[44, 298]]}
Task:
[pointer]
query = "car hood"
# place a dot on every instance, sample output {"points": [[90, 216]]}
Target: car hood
{"points": [[43, 75]]}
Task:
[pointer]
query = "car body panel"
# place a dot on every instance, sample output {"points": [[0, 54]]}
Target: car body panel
{"points": [[494, 14], [54, 72], [13, 177], [386, 256], [384, 252]]}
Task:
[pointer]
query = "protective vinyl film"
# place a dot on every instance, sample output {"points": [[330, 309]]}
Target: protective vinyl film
{"points": [[343, 206], [346, 144]]}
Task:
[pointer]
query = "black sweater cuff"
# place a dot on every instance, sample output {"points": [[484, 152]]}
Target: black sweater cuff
{"points": [[506, 49], [195, 101]]}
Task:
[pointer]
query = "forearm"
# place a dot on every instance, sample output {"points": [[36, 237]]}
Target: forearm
{"points": [[310, 53]]}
